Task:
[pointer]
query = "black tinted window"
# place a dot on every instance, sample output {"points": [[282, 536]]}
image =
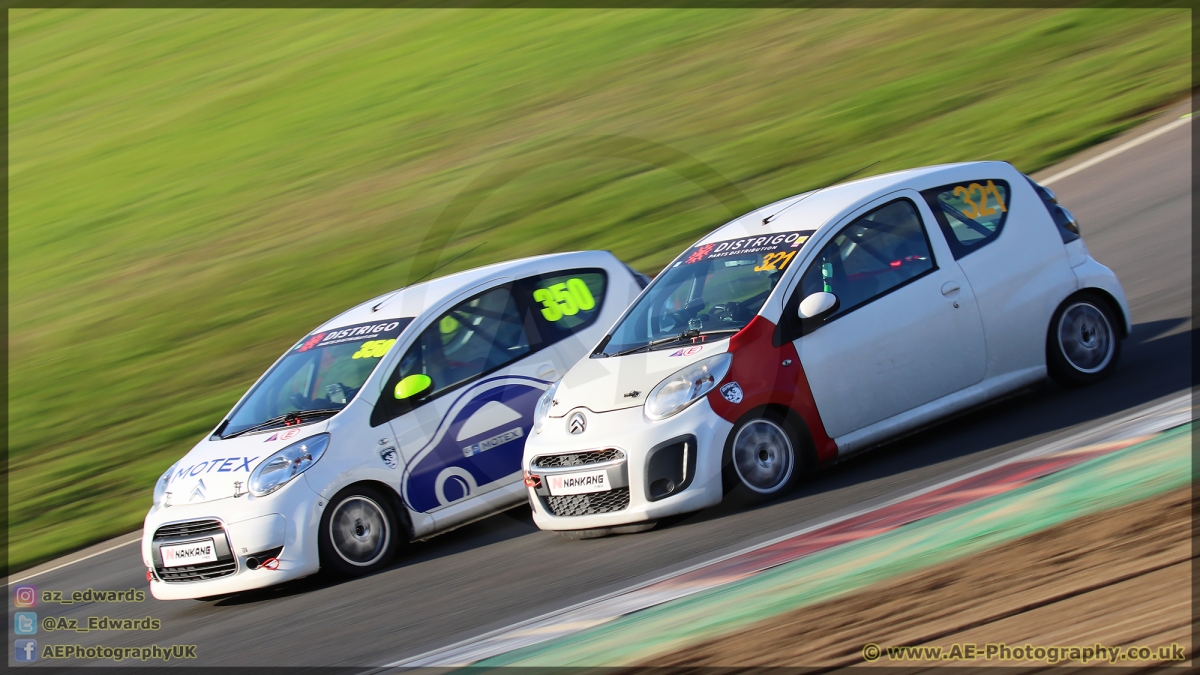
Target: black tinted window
{"points": [[873, 255]]}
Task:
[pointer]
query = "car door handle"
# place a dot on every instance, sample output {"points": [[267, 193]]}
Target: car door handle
{"points": [[949, 288], [546, 372]]}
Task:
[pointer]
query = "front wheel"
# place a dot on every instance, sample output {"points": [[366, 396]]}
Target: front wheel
{"points": [[1083, 344], [763, 458], [358, 532]]}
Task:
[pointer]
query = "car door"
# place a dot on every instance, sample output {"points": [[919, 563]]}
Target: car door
{"points": [[907, 329], [488, 362]]}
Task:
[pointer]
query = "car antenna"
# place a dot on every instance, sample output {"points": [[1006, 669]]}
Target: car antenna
{"points": [[771, 217], [385, 300], [430, 272]]}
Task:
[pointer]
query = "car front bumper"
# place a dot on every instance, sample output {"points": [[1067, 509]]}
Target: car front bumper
{"points": [[636, 437], [283, 524]]}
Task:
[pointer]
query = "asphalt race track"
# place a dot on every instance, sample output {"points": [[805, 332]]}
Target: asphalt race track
{"points": [[1135, 214]]}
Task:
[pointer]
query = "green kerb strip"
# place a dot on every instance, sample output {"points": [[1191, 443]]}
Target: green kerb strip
{"points": [[1140, 471]]}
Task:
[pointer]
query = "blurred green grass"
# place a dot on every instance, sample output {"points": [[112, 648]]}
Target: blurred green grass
{"points": [[191, 191]]}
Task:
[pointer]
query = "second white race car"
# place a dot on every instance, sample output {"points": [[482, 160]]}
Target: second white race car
{"points": [[816, 327]]}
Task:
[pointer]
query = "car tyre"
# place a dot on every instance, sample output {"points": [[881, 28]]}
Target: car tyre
{"points": [[1083, 342], [764, 457], [359, 532]]}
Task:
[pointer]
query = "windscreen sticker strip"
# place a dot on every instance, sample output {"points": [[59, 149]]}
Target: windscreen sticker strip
{"points": [[767, 243], [376, 330]]}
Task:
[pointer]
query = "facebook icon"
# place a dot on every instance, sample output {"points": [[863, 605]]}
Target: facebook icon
{"points": [[26, 650]]}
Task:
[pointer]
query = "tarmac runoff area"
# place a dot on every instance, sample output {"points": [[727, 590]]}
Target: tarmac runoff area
{"points": [[1082, 542]]}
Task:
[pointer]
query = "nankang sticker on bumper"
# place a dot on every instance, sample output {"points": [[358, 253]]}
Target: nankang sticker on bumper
{"points": [[732, 392]]}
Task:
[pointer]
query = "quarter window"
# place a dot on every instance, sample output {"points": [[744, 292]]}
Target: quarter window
{"points": [[564, 303], [875, 254], [971, 214]]}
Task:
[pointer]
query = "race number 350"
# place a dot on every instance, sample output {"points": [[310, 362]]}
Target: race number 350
{"points": [[564, 299]]}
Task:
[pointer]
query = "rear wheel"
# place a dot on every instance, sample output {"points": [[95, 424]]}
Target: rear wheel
{"points": [[1083, 343], [764, 458], [358, 532]]}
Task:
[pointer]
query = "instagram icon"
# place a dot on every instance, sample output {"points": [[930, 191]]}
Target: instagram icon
{"points": [[25, 596]]}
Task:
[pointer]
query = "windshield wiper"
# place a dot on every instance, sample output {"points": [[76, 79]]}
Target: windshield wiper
{"points": [[294, 416], [674, 338]]}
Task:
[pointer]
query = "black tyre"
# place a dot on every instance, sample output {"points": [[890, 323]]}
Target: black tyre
{"points": [[764, 457], [359, 532], [1083, 342]]}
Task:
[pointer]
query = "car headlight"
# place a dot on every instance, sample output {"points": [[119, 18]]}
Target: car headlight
{"points": [[160, 488], [686, 386], [542, 410], [286, 464]]}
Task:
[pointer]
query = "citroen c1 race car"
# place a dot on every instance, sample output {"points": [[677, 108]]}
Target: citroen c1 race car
{"points": [[398, 419], [816, 327]]}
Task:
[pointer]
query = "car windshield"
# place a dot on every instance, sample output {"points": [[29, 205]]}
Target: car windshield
{"points": [[317, 378], [713, 288]]}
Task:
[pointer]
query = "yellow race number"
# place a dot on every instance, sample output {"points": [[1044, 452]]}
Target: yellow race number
{"points": [[565, 299]]}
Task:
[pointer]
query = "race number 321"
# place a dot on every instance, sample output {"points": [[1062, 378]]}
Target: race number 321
{"points": [[564, 299]]}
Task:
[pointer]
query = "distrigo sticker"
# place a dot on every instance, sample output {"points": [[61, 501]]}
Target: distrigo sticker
{"points": [[360, 332], [767, 243]]}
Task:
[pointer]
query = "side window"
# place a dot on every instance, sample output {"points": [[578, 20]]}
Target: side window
{"points": [[971, 214], [565, 302], [473, 338], [871, 256]]}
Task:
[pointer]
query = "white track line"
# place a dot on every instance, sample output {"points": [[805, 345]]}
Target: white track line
{"points": [[72, 562], [1166, 415], [1117, 150]]}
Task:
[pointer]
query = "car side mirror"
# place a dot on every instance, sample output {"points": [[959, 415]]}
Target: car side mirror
{"points": [[818, 305], [413, 387]]}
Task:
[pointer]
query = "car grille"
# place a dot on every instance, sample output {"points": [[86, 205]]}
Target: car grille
{"points": [[588, 504], [197, 528], [202, 572], [578, 458]]}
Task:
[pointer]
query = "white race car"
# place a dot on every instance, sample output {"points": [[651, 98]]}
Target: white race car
{"points": [[816, 327], [396, 420]]}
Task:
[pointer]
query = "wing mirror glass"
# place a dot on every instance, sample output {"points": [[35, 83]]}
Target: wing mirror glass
{"points": [[818, 305], [413, 387]]}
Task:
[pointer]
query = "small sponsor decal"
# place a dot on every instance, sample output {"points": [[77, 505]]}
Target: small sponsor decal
{"points": [[487, 444], [390, 457], [765, 243], [732, 392], [686, 351], [283, 435]]}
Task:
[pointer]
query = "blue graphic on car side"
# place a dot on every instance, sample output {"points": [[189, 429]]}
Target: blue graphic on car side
{"points": [[480, 442]]}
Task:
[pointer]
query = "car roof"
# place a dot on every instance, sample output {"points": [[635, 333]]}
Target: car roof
{"points": [[816, 209], [412, 301]]}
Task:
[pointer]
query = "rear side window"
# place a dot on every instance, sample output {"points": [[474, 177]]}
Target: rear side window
{"points": [[971, 214], [564, 302]]}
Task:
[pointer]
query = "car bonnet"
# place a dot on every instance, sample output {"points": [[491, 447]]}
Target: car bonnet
{"points": [[618, 382], [216, 469]]}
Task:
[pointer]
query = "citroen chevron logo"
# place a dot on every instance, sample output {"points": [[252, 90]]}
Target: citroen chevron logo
{"points": [[198, 493], [577, 423]]}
